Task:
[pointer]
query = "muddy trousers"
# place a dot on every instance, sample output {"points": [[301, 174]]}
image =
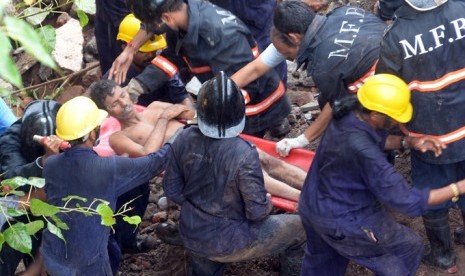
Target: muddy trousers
{"points": [[440, 252], [377, 242], [281, 235]]}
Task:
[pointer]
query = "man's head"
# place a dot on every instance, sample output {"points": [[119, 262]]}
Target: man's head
{"points": [[387, 95], [291, 20], [78, 121], [159, 13], [39, 118], [128, 29], [109, 96], [220, 108]]}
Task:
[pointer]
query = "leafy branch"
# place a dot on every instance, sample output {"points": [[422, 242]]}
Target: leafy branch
{"points": [[19, 235]]}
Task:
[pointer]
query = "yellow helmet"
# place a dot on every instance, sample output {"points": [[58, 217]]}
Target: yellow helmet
{"points": [[128, 29], [387, 94], [78, 117]]}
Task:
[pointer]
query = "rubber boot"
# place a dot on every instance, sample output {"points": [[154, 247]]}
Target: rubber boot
{"points": [[440, 252], [459, 232], [281, 128]]}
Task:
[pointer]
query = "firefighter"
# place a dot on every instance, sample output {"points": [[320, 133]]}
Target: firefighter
{"points": [[148, 82], [350, 181], [21, 156], [225, 213], [79, 171], [339, 51], [424, 47], [210, 39]]}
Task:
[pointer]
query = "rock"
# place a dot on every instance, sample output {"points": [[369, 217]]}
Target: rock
{"points": [[45, 73], [299, 97], [150, 211], [163, 203], [91, 47], [308, 116], [292, 118], [313, 105], [88, 58], [159, 217], [69, 45], [174, 215], [92, 75], [62, 19], [25, 62], [69, 93]]}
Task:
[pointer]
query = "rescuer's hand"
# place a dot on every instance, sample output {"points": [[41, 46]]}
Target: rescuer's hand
{"points": [[284, 146], [426, 143]]}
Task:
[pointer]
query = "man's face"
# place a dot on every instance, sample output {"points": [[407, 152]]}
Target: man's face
{"points": [[143, 59], [119, 105], [290, 52]]}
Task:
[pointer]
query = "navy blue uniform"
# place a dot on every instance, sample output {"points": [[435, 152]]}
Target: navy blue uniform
{"points": [[341, 209]]}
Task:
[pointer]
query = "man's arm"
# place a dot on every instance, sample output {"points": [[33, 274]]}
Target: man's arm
{"points": [[258, 67], [123, 145]]}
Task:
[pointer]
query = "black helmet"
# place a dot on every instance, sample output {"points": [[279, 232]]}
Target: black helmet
{"points": [[220, 108], [38, 119], [425, 5], [145, 10]]}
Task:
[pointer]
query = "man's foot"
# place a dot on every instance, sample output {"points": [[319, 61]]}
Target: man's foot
{"points": [[444, 261], [168, 233]]}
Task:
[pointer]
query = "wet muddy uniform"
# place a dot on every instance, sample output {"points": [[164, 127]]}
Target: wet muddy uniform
{"points": [[339, 51], [425, 49], [224, 208], [341, 205], [81, 172], [217, 41]]}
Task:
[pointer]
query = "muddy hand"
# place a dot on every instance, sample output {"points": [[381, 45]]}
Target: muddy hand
{"points": [[51, 145], [427, 143]]}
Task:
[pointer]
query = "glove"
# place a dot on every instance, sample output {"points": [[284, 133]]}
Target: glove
{"points": [[134, 89], [285, 145]]}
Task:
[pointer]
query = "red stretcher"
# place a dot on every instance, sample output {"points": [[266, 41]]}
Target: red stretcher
{"points": [[299, 157]]}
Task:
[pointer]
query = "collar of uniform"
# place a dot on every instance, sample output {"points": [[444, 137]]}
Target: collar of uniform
{"points": [[310, 40]]}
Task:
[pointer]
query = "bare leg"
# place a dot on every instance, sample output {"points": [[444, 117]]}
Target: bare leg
{"points": [[285, 172], [281, 189]]}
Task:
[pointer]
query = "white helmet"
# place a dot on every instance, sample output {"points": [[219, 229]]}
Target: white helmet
{"points": [[425, 5]]}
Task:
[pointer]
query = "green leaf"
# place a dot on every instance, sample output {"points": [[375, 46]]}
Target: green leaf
{"points": [[3, 4], [29, 39], [36, 182], [14, 182], [40, 208], [8, 69], [71, 197], [87, 6], [34, 226], [13, 212], [106, 213], [134, 220], [48, 37], [3, 91], [17, 238], [35, 15], [16, 193], [2, 240], [60, 223], [83, 18], [55, 231]]}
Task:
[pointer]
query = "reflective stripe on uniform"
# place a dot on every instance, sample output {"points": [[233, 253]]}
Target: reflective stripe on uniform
{"points": [[353, 87], [251, 110], [438, 84], [445, 138], [207, 68], [165, 65], [246, 96]]}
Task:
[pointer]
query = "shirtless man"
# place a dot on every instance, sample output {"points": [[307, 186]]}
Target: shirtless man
{"points": [[146, 131]]}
